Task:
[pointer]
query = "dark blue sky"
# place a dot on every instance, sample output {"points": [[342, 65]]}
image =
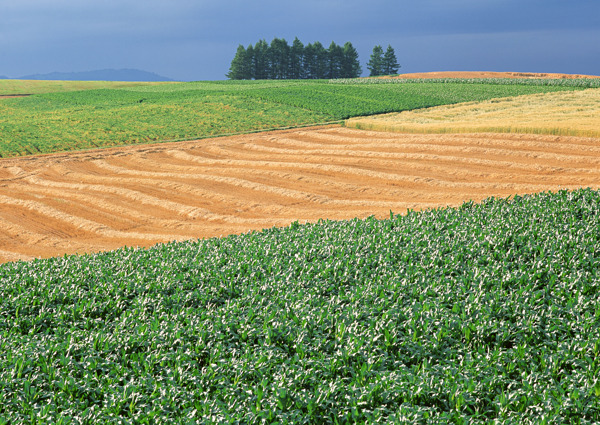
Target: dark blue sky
{"points": [[196, 40]]}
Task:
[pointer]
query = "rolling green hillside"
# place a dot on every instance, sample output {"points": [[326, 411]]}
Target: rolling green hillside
{"points": [[94, 118]]}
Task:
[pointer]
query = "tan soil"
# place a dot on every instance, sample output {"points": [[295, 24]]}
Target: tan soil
{"points": [[485, 74], [138, 196]]}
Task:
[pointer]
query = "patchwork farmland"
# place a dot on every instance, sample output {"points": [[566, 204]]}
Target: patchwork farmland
{"points": [[423, 278]]}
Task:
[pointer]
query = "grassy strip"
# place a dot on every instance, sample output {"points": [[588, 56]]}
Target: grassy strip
{"points": [[486, 312], [55, 122], [574, 113], [82, 120]]}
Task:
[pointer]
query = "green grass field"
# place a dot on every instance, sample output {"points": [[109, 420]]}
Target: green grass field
{"points": [[71, 119], [486, 313]]}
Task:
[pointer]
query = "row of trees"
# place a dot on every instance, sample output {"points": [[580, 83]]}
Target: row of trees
{"points": [[279, 60], [382, 63]]}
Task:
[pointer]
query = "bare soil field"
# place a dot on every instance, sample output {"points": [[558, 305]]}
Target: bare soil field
{"points": [[487, 74], [92, 201]]}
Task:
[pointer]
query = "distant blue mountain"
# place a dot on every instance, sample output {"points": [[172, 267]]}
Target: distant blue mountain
{"points": [[2, 77], [100, 75]]}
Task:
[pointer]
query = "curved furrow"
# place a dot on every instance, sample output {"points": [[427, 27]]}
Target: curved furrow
{"points": [[156, 179], [182, 183], [427, 161], [280, 177], [176, 189], [94, 201], [16, 230], [77, 221], [426, 171], [522, 153], [504, 144], [285, 175], [239, 183], [132, 195]]}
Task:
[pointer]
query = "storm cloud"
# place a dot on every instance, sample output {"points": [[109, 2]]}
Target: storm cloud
{"points": [[196, 40]]}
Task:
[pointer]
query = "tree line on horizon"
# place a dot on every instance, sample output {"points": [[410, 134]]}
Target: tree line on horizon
{"points": [[278, 60]]}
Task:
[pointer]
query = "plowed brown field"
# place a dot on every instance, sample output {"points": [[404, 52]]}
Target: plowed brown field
{"points": [[138, 196]]}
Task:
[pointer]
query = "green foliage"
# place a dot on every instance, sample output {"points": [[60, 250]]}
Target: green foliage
{"points": [[381, 63], [241, 65], [279, 61], [341, 101], [55, 122], [390, 63], [351, 65], [100, 118], [376, 63], [486, 313]]}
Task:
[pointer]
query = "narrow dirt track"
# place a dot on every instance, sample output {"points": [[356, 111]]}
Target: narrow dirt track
{"points": [[138, 196]]}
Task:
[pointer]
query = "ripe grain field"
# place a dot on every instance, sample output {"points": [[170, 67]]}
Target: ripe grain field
{"points": [[564, 113], [92, 201]]}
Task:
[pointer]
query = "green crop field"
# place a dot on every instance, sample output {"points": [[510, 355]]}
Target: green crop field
{"points": [[62, 118], [486, 313]]}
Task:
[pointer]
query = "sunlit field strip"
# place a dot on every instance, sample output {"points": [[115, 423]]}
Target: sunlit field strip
{"points": [[575, 113]]}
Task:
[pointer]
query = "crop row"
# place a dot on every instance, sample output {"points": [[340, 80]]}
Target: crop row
{"points": [[486, 312]]}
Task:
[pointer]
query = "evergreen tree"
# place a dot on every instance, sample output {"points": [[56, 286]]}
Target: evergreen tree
{"points": [[321, 68], [335, 55], [279, 55], [296, 63], [310, 61], [350, 64], [262, 69], [390, 63], [250, 62], [375, 64], [278, 60], [240, 65]]}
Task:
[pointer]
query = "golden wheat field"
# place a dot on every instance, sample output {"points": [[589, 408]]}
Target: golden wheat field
{"points": [[573, 113], [91, 201]]}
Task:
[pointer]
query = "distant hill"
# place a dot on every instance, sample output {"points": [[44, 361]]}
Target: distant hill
{"points": [[2, 77], [100, 75]]}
